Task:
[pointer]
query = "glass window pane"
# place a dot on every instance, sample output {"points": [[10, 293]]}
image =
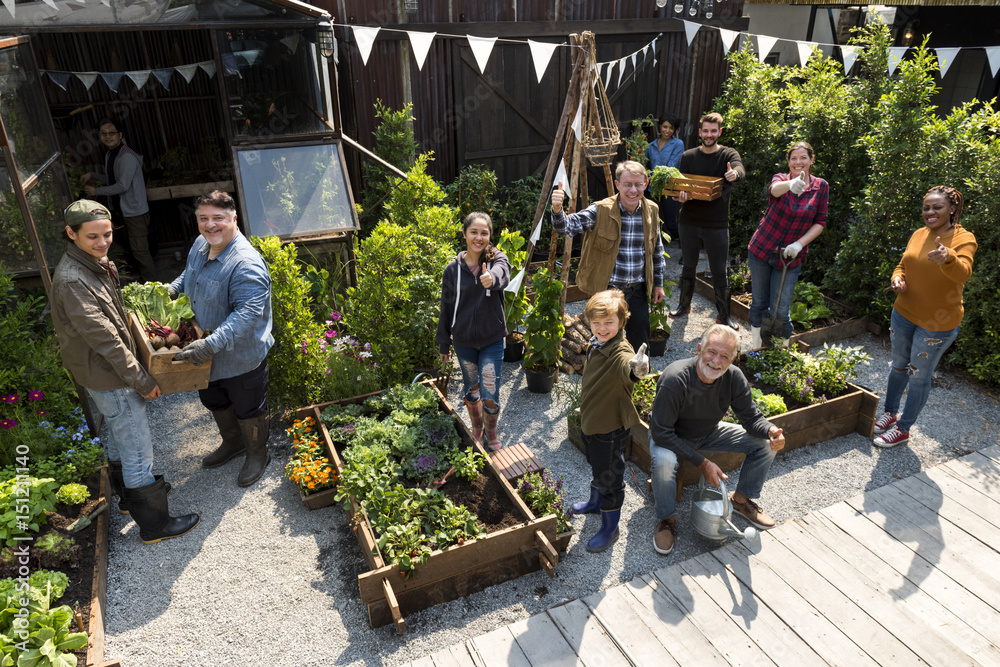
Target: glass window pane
{"points": [[15, 249], [47, 201], [272, 82], [295, 190], [25, 114]]}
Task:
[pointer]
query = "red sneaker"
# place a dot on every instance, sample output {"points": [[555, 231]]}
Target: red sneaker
{"points": [[891, 438], [884, 423]]}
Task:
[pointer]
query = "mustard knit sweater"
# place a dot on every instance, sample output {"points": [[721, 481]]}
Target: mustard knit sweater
{"points": [[933, 296]]}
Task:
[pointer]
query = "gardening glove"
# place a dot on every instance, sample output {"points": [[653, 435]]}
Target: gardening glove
{"points": [[798, 185], [172, 292], [196, 352], [792, 250], [639, 364]]}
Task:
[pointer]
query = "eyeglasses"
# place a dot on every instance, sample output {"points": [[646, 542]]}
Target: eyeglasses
{"points": [[110, 134]]}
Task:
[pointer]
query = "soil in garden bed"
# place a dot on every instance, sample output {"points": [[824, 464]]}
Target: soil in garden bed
{"points": [[837, 315], [484, 497], [81, 577]]}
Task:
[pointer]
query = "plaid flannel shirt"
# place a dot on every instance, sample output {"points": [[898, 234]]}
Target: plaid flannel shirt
{"points": [[787, 218]]}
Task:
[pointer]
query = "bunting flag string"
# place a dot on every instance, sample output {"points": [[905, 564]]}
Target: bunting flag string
{"points": [[896, 54], [993, 54], [541, 54], [849, 54], [138, 77], [482, 47], [764, 45], [945, 58], [805, 50], [365, 38], [421, 43], [690, 30]]}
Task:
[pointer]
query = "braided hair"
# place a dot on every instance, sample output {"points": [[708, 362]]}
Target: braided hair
{"points": [[478, 216], [954, 198]]}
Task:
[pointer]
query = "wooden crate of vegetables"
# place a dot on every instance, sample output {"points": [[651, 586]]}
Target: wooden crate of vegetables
{"points": [[162, 327], [671, 182]]}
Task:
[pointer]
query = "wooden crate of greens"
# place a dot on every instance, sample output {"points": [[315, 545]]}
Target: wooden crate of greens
{"points": [[705, 188], [172, 376]]}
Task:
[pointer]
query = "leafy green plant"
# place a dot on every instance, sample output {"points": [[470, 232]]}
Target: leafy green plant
{"points": [[394, 143], [545, 495], [768, 404], [515, 304], [72, 494], [803, 377], [53, 550], [23, 504], [295, 362], [309, 467], [637, 142], [659, 320], [47, 640], [519, 201], [808, 305], [468, 463], [660, 179], [643, 393], [739, 277], [475, 189], [543, 324]]}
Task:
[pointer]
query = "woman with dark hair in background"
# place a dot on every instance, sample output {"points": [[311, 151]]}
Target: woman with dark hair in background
{"points": [[928, 281], [472, 320], [665, 151]]}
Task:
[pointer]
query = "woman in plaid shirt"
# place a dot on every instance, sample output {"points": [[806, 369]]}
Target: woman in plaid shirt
{"points": [[796, 214]]}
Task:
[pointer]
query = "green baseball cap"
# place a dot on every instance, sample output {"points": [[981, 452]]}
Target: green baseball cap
{"points": [[85, 210]]}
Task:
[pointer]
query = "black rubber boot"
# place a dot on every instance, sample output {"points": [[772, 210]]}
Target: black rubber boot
{"points": [[118, 484], [256, 431], [233, 443], [684, 305], [148, 505], [722, 305]]}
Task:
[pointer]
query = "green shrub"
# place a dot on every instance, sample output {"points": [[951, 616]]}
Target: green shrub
{"points": [[543, 324], [519, 201], [475, 189], [394, 143]]}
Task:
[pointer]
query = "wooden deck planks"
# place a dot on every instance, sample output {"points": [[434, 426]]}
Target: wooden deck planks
{"points": [[587, 635], [620, 618], [969, 497], [498, 649], [542, 643]]}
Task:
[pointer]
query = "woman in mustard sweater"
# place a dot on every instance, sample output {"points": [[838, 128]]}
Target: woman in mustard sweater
{"points": [[928, 311]]}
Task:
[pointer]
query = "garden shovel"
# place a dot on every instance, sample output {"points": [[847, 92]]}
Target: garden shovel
{"points": [[768, 331]]}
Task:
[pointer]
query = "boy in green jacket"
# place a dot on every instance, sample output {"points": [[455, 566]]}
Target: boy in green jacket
{"points": [[606, 410]]}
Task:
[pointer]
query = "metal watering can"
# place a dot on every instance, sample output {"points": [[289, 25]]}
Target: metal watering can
{"points": [[711, 513]]}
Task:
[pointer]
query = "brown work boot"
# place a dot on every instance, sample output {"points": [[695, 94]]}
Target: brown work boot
{"points": [[752, 512], [665, 535]]}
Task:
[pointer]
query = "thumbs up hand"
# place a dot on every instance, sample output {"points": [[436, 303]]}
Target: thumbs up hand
{"points": [[485, 277], [798, 185], [940, 254], [639, 364], [730, 174], [558, 197]]}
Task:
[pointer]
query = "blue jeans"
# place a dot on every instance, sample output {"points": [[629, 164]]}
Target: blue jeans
{"points": [[725, 438], [481, 374], [915, 354], [764, 282], [129, 439], [606, 455]]}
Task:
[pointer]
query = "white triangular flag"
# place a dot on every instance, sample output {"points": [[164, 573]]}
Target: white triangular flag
{"points": [[51, 3], [896, 54], [421, 43], [993, 53], [764, 45], [645, 51], [690, 29], [945, 58], [634, 69], [163, 76], [112, 79], [515, 283], [208, 67], [536, 234], [849, 54], [482, 47], [140, 77], [607, 75], [87, 78], [562, 177], [621, 72], [578, 121], [541, 54], [61, 79], [9, 4], [365, 37], [805, 50], [727, 37], [187, 71]]}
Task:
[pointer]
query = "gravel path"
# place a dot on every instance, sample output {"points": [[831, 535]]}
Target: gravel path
{"points": [[263, 581]]}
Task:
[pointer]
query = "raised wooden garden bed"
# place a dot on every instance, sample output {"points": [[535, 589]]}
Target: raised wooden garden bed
{"points": [[172, 376], [99, 585], [812, 337], [458, 570]]}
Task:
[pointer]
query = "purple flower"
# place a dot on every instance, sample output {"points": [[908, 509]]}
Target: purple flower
{"points": [[336, 317], [8, 423], [330, 333], [35, 395], [10, 399]]}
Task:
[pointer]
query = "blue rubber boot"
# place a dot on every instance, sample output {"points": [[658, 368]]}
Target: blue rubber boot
{"points": [[608, 534], [592, 506]]}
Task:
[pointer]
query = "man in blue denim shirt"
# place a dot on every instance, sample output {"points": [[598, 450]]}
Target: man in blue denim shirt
{"points": [[230, 290]]}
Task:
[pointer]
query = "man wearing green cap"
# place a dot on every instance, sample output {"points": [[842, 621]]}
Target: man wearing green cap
{"points": [[98, 349]]}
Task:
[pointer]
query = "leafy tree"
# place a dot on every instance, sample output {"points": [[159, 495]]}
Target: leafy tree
{"points": [[394, 143]]}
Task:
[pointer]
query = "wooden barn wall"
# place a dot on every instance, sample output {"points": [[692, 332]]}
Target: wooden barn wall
{"points": [[505, 120]]}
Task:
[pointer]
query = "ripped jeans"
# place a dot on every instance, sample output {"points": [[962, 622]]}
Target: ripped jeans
{"points": [[915, 354], [481, 374]]}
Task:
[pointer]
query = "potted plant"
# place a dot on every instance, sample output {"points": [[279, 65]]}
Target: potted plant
{"points": [[659, 327], [515, 303], [543, 333]]}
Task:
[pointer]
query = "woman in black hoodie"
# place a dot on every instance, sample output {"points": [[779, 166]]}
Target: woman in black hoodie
{"points": [[472, 320]]}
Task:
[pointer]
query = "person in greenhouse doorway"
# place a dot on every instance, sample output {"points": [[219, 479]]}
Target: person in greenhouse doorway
{"points": [[928, 282], [472, 319], [795, 216], [229, 285], [97, 348]]}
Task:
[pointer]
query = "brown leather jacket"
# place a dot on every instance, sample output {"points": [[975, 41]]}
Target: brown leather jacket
{"points": [[92, 327], [600, 245]]}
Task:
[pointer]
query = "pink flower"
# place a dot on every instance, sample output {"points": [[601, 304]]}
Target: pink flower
{"points": [[10, 399], [336, 317], [35, 395], [330, 333], [8, 423]]}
